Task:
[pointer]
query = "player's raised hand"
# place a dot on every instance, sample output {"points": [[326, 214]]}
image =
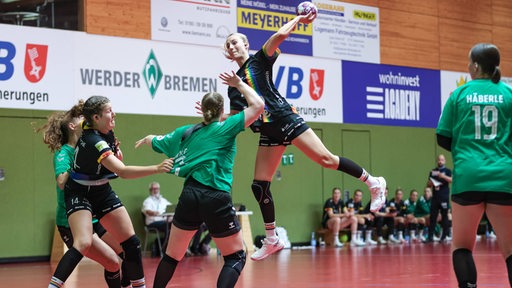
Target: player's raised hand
{"points": [[146, 140], [199, 108], [230, 79]]}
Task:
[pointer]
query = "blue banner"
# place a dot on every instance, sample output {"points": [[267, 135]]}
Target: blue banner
{"points": [[390, 95], [258, 20]]}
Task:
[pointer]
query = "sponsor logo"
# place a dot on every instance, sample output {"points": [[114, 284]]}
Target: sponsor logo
{"points": [[35, 62], [152, 74], [316, 83]]}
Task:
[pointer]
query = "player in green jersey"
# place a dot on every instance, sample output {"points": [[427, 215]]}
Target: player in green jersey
{"points": [[204, 154], [476, 126]]}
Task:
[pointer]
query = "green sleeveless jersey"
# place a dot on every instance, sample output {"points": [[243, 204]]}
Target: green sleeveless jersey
{"points": [[207, 154], [62, 162], [478, 118]]}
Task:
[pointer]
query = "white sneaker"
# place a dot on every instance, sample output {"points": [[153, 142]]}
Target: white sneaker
{"points": [[267, 249], [436, 239], [382, 241], [378, 194], [370, 241], [393, 239], [492, 235], [357, 242], [478, 237], [338, 244]]}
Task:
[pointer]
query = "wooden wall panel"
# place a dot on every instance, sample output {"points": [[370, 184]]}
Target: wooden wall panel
{"points": [[409, 39], [412, 6], [456, 37], [502, 37], [476, 11], [123, 18], [502, 13]]}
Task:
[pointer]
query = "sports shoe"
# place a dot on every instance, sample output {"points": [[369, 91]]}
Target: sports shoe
{"points": [[267, 249], [393, 239], [357, 242], [491, 236], [428, 241], [338, 244], [370, 241], [382, 241], [378, 195]]}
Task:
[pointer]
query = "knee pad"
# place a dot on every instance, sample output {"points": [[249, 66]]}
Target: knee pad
{"points": [[261, 190], [131, 248], [236, 261]]}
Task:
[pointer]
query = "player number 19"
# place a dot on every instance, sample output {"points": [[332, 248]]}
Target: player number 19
{"points": [[489, 118]]}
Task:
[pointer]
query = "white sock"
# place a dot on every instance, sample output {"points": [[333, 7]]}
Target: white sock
{"points": [[270, 231], [371, 181], [55, 282]]}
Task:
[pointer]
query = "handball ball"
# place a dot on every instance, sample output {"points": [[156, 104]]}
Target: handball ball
{"points": [[305, 7]]}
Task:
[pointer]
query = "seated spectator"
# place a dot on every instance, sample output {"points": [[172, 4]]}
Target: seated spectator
{"points": [[336, 217], [422, 212], [382, 218], [153, 207], [363, 215], [397, 205], [410, 219]]}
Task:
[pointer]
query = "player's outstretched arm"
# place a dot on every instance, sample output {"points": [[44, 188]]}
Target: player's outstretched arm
{"points": [[144, 141], [254, 101], [129, 172], [277, 38]]}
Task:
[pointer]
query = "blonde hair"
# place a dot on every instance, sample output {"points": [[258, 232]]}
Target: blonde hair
{"points": [[241, 36]]}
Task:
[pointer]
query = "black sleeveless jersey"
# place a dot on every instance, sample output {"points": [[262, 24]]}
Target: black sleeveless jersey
{"points": [[257, 73], [92, 147]]}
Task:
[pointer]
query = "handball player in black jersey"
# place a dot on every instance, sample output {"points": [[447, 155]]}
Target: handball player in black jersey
{"points": [[279, 126], [88, 193]]}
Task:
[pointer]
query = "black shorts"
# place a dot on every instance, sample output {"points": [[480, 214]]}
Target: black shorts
{"points": [[282, 131], [99, 200], [67, 236], [477, 197], [199, 203]]}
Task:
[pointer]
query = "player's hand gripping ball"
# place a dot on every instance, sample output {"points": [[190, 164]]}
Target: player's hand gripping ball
{"points": [[305, 7]]}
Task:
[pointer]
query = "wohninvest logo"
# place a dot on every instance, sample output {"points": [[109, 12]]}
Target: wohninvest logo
{"points": [[398, 97], [152, 74]]}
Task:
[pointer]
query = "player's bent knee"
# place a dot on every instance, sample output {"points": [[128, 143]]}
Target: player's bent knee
{"points": [[82, 245], [261, 190], [236, 261], [131, 248]]}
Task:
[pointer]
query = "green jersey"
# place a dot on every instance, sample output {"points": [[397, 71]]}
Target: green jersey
{"points": [[62, 162], [411, 206], [422, 207], [207, 154], [478, 119]]}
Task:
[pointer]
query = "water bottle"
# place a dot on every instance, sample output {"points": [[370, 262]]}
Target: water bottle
{"points": [[313, 239]]}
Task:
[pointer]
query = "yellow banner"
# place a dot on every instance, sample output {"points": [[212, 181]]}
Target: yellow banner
{"points": [[269, 21]]}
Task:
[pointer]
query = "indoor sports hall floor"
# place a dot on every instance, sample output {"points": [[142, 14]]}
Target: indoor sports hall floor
{"points": [[408, 265]]}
